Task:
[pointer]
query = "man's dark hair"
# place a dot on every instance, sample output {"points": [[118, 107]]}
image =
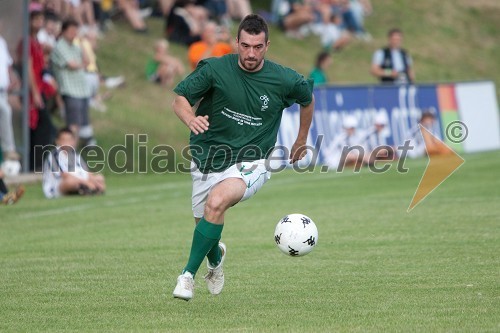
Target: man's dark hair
{"points": [[394, 31], [427, 114], [51, 16], [254, 24], [321, 57], [65, 130], [71, 22], [35, 14]]}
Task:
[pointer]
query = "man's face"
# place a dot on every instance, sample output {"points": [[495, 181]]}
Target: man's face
{"points": [[396, 40], [251, 50], [71, 33], [37, 23], [66, 141]]}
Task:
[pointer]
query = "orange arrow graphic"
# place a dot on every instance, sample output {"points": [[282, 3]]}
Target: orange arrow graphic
{"points": [[443, 162]]}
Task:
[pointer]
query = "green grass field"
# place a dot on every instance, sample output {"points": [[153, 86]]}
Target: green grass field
{"points": [[110, 263]]}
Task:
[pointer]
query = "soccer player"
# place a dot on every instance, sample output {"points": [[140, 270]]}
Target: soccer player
{"points": [[233, 131]]}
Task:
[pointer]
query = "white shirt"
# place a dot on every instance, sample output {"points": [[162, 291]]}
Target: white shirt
{"points": [[397, 59], [5, 63], [59, 161]]}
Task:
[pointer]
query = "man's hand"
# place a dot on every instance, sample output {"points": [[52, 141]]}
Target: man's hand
{"points": [[38, 100], [298, 151], [199, 124]]}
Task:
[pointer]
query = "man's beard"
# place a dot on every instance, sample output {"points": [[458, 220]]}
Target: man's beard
{"points": [[250, 66]]}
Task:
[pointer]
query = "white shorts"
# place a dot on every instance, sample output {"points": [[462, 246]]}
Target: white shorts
{"points": [[254, 174]]}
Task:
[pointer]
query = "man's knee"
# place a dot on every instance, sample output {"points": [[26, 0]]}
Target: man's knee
{"points": [[216, 204]]}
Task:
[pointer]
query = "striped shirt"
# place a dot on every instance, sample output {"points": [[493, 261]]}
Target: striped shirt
{"points": [[72, 83]]}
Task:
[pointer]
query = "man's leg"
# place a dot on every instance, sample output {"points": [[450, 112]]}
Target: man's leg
{"points": [[208, 231]]}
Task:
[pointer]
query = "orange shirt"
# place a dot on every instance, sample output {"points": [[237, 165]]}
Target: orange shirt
{"points": [[197, 49]]}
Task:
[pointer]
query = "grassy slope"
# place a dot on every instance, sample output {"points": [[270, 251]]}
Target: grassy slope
{"points": [[110, 263], [449, 41]]}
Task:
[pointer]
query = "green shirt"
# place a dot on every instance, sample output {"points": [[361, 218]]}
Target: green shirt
{"points": [[72, 83], [244, 109], [318, 76]]}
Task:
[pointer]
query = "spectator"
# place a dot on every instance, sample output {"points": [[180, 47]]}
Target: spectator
{"points": [[238, 9], [47, 36], [9, 197], [42, 129], [6, 131], [131, 10], [427, 145], [185, 21], [294, 15], [333, 36], [65, 172], [211, 45], [349, 19], [392, 64], [346, 149], [318, 74], [360, 9], [162, 67], [69, 65], [375, 140]]}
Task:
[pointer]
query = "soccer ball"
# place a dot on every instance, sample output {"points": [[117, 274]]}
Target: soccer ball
{"points": [[296, 235], [11, 168]]}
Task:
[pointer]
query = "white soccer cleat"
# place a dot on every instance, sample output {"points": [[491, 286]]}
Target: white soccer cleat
{"points": [[215, 275], [185, 287]]}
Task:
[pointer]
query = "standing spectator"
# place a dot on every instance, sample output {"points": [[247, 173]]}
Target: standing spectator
{"points": [[42, 129], [210, 45], [6, 130], [69, 66], [392, 64], [163, 67], [318, 74], [47, 36]]}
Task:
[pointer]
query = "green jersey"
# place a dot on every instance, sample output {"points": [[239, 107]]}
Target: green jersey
{"points": [[244, 109]]}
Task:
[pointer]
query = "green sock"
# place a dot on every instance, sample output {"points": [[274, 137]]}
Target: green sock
{"points": [[205, 236], [214, 256]]}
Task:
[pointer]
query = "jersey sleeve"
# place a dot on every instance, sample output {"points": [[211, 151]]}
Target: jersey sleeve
{"points": [[300, 92], [196, 84], [378, 58]]}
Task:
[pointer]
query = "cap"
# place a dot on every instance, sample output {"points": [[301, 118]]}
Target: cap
{"points": [[350, 122], [381, 119]]}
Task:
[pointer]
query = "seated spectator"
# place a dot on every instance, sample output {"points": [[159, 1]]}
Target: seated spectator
{"points": [[238, 9], [65, 172], [294, 15], [425, 145], [7, 142], [333, 36], [212, 44], [350, 23], [375, 140], [346, 149], [9, 197], [393, 64], [133, 14], [162, 67], [185, 21], [318, 74], [360, 9]]}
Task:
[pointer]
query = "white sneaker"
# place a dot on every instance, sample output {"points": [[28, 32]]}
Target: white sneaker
{"points": [[185, 287], [215, 275]]}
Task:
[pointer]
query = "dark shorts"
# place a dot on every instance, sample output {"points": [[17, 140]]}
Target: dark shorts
{"points": [[76, 110]]}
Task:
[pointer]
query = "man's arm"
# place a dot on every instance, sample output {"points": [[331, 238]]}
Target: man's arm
{"points": [[298, 150], [183, 110]]}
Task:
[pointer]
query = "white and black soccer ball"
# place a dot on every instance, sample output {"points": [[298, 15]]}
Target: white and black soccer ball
{"points": [[296, 235], [11, 168]]}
